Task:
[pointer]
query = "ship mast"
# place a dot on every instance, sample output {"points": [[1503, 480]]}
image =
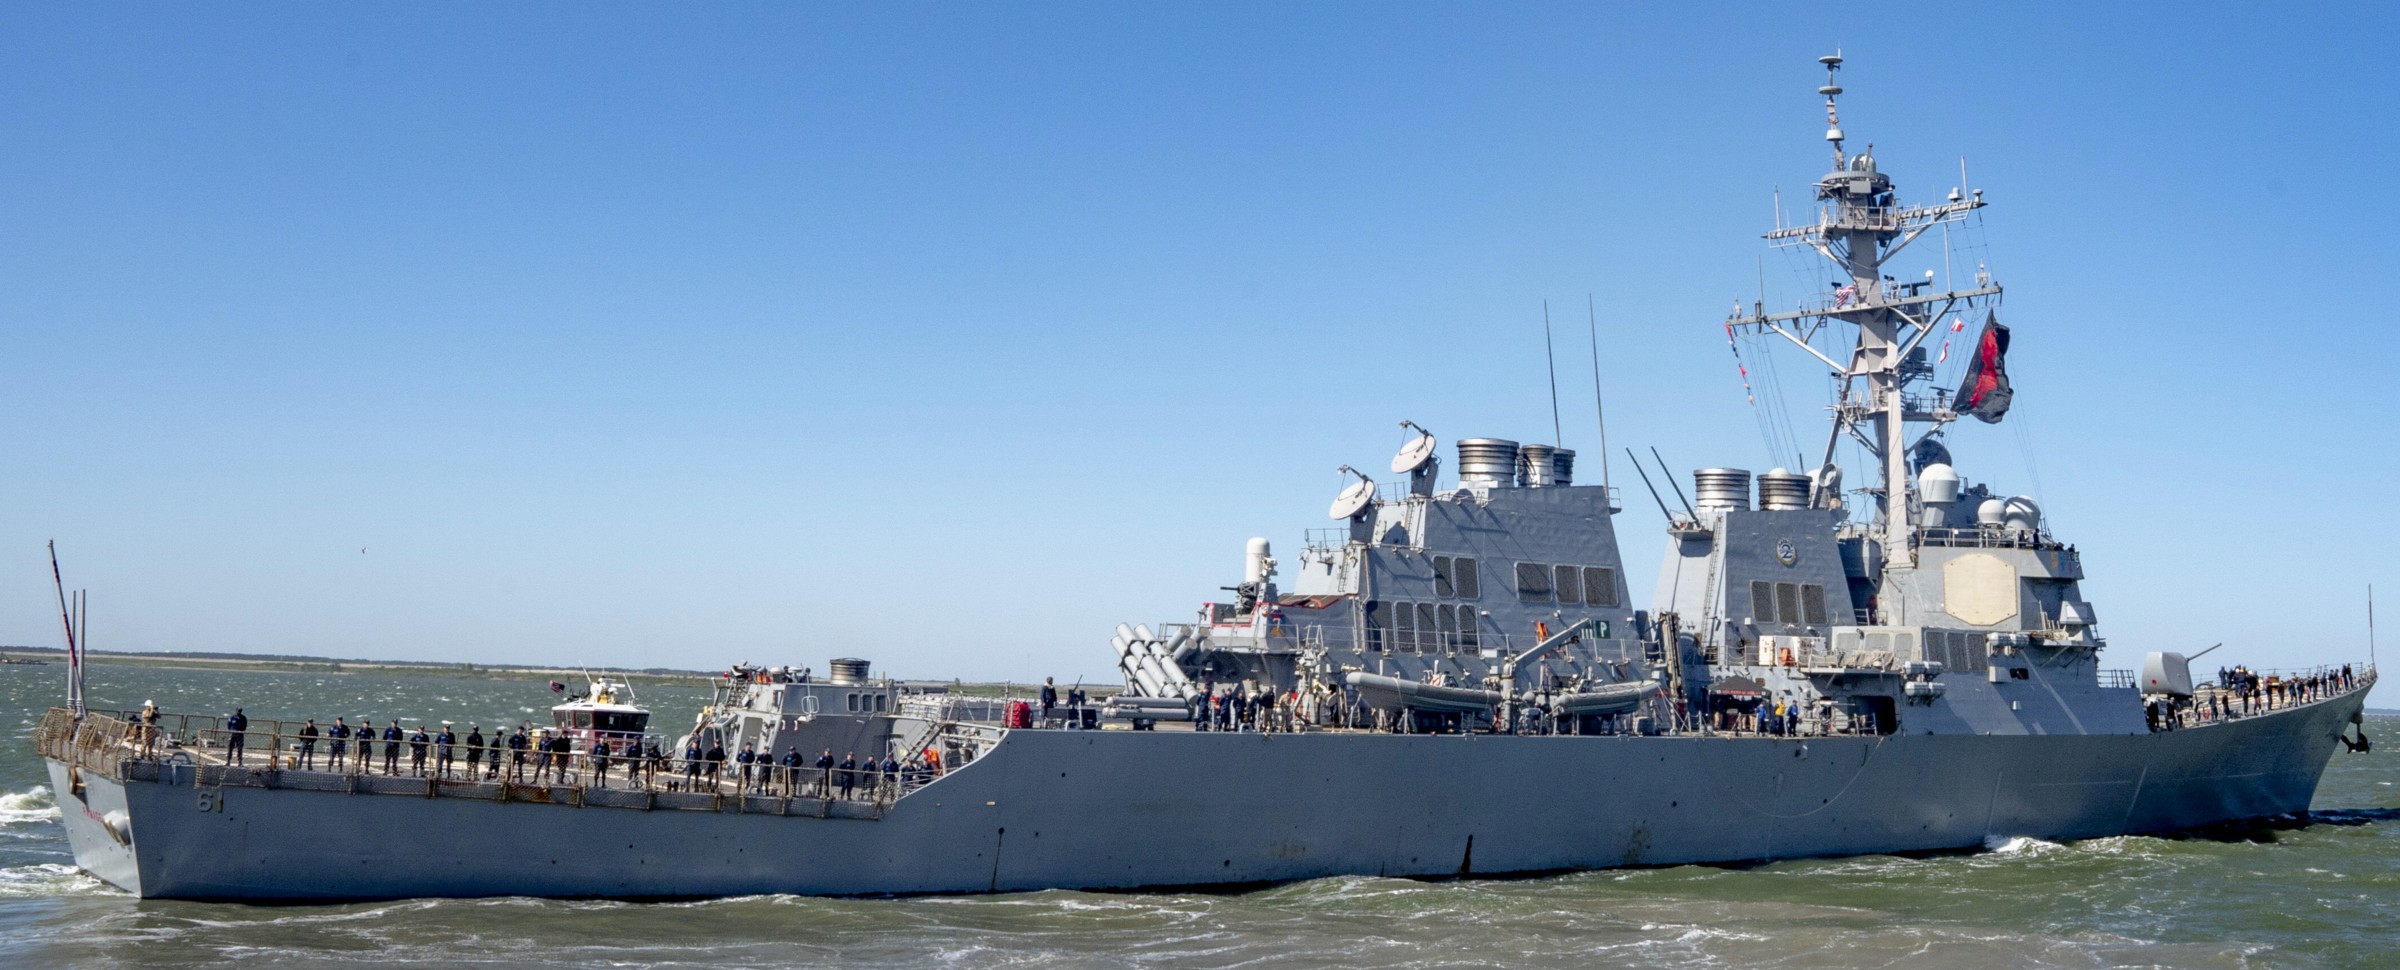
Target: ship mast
{"points": [[1860, 226]]}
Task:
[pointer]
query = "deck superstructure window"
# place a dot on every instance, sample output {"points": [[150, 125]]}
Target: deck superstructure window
{"points": [[1377, 621], [1533, 582], [1448, 618], [1441, 577], [1599, 586], [1958, 650], [1787, 602], [1404, 627], [1462, 575], [1428, 634], [1762, 602], [1812, 604], [1569, 583], [1469, 622]]}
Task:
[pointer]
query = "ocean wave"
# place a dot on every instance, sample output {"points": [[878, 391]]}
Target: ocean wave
{"points": [[34, 805], [2022, 845], [51, 879]]}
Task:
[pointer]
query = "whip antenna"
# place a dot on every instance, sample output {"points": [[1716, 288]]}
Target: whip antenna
{"points": [[66, 618], [1550, 355], [1671, 483], [1599, 409], [1663, 511]]}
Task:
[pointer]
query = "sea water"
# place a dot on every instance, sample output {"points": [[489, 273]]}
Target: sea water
{"points": [[2320, 892]]}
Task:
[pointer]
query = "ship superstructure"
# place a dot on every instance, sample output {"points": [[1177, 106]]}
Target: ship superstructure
{"points": [[1454, 682]]}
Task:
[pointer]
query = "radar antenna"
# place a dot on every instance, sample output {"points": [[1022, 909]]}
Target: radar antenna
{"points": [[1833, 122], [1860, 226]]}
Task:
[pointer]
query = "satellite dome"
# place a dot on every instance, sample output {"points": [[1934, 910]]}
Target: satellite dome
{"points": [[2021, 514], [1938, 484], [1991, 512]]}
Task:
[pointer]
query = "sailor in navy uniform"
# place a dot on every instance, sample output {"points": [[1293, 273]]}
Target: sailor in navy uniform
{"points": [[234, 726]]}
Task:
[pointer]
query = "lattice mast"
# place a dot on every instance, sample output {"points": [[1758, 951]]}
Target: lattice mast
{"points": [[1860, 227]]}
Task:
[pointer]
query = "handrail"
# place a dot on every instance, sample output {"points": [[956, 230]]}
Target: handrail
{"points": [[2216, 703], [109, 746]]}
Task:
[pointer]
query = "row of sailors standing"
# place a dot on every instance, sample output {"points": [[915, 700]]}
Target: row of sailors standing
{"points": [[554, 758], [1238, 709], [794, 776], [438, 754], [2241, 692], [2255, 693]]}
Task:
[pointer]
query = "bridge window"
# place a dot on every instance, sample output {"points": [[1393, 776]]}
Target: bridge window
{"points": [[1787, 602], [1599, 586], [1441, 577], [1377, 621], [1428, 634], [1462, 575], [1533, 582], [1812, 604], [1404, 627], [1447, 616], [1470, 625], [1569, 584], [1762, 602]]}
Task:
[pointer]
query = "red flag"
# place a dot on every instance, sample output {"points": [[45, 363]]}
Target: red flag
{"points": [[1986, 393]]}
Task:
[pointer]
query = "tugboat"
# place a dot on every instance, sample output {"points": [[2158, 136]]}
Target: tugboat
{"points": [[1456, 683]]}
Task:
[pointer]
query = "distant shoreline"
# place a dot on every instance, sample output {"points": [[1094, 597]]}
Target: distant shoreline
{"points": [[55, 658], [286, 663]]}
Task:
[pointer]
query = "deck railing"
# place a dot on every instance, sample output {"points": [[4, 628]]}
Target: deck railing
{"points": [[2216, 702], [109, 746]]}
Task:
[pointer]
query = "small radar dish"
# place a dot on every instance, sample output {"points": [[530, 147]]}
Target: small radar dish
{"points": [[1416, 453], [1354, 499]]}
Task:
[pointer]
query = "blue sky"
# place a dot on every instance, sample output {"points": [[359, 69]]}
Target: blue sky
{"points": [[952, 335]]}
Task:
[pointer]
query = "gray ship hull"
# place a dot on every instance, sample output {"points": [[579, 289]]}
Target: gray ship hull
{"points": [[1116, 809]]}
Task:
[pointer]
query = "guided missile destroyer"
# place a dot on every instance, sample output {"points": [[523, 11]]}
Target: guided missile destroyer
{"points": [[1452, 680]]}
